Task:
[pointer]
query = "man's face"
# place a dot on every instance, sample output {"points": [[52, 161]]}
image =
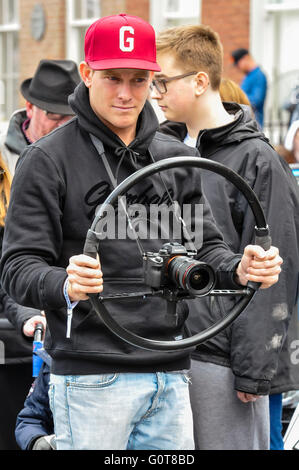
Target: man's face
{"points": [[42, 123], [117, 96], [177, 103], [242, 64]]}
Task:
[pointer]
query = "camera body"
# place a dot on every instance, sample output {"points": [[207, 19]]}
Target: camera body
{"points": [[173, 267]]}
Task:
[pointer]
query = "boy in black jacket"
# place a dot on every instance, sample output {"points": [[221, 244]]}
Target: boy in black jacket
{"points": [[105, 393], [232, 372]]}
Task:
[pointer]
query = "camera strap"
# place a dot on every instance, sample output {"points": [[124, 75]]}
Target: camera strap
{"points": [[101, 151], [177, 214], [100, 148]]}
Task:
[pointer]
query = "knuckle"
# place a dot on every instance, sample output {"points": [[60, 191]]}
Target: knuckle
{"points": [[71, 268]]}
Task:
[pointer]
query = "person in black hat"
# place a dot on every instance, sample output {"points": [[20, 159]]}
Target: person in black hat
{"points": [[46, 95], [47, 107], [255, 82]]}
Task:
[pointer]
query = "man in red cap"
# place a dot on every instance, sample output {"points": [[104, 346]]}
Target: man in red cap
{"points": [[104, 392]]}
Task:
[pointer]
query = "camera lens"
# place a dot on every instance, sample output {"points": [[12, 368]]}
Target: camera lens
{"points": [[199, 279], [192, 275]]}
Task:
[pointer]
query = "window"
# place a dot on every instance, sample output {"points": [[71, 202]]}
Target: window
{"points": [[9, 58], [174, 12], [80, 15], [281, 5], [287, 2], [178, 11]]}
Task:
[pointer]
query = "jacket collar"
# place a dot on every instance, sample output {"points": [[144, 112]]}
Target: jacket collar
{"points": [[241, 128]]}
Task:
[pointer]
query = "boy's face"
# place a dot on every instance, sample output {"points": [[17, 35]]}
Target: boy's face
{"points": [[117, 96], [178, 101]]}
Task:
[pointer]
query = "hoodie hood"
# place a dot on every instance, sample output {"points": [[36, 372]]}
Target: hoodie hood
{"points": [[147, 126], [15, 139], [243, 127]]}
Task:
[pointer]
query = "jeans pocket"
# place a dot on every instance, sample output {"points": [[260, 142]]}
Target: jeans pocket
{"points": [[91, 381]]}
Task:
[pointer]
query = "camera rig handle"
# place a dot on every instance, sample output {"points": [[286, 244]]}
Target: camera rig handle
{"points": [[262, 238]]}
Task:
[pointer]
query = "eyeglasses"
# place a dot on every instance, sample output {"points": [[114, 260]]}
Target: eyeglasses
{"points": [[55, 116], [160, 83]]}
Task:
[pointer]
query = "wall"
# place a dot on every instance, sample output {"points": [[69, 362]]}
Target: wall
{"points": [[230, 19], [138, 8], [112, 7], [52, 46], [131, 7]]}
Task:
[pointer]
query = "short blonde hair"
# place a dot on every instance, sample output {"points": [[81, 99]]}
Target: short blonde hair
{"points": [[195, 47]]}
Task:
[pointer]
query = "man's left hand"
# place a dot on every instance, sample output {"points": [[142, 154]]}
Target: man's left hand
{"points": [[260, 266], [30, 325]]}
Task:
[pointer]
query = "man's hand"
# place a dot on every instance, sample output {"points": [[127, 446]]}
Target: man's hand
{"points": [[247, 397], [84, 276], [29, 325], [260, 266]]}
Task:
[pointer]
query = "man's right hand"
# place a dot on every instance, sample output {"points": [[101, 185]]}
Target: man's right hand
{"points": [[84, 276]]}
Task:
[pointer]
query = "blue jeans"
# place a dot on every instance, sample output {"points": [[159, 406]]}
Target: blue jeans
{"points": [[122, 411]]}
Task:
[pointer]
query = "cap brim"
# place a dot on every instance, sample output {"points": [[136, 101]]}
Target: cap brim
{"points": [[107, 64], [51, 107]]}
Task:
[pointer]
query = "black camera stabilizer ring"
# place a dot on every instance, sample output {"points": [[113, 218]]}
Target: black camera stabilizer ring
{"points": [[262, 239]]}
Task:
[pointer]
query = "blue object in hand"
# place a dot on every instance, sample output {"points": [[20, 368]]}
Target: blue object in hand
{"points": [[37, 344]]}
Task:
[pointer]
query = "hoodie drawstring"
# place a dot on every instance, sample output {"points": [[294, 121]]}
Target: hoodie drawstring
{"points": [[124, 152]]}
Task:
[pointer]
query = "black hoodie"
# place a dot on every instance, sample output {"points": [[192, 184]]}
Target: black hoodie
{"points": [[59, 182], [252, 344]]}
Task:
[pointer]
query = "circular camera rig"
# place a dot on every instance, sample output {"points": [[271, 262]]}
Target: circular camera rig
{"points": [[173, 273]]}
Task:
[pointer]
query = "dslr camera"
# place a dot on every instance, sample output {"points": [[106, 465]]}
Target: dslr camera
{"points": [[174, 268]]}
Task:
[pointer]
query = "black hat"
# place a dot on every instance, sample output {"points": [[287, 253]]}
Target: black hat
{"points": [[53, 82], [238, 54]]}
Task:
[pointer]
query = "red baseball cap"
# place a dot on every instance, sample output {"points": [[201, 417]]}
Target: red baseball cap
{"points": [[121, 41]]}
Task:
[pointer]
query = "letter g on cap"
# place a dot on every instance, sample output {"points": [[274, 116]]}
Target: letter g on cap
{"points": [[126, 44]]}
